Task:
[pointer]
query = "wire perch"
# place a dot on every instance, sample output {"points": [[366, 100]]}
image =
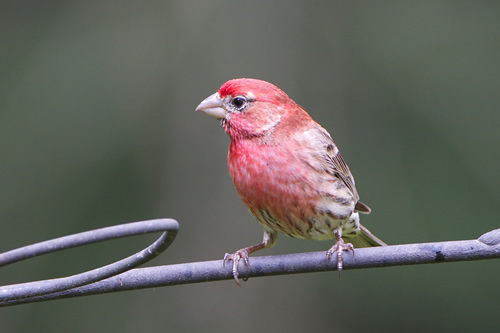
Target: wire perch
{"points": [[485, 247], [19, 292]]}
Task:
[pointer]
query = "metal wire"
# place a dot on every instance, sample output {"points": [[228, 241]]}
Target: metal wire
{"points": [[19, 292], [485, 247]]}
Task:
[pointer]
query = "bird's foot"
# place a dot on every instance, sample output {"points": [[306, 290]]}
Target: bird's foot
{"points": [[339, 247], [235, 258]]}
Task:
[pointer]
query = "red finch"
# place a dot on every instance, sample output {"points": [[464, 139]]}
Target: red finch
{"points": [[287, 170]]}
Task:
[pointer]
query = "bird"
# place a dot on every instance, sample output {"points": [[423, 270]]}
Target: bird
{"points": [[287, 171]]}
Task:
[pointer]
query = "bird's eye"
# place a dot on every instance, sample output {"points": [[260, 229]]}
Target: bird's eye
{"points": [[239, 102]]}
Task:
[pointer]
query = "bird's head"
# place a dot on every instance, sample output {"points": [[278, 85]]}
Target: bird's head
{"points": [[249, 107]]}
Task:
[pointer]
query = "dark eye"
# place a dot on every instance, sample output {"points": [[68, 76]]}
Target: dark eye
{"points": [[239, 102]]}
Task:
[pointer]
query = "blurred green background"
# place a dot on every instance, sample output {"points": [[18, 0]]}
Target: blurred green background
{"points": [[97, 127]]}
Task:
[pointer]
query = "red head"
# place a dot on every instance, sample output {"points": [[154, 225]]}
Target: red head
{"points": [[250, 108]]}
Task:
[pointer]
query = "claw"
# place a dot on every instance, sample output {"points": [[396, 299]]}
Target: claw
{"points": [[339, 247], [267, 241], [235, 258]]}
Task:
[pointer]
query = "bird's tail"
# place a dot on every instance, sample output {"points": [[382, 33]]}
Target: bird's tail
{"points": [[365, 239]]}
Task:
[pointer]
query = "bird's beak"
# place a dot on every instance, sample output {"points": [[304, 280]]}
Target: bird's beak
{"points": [[212, 105]]}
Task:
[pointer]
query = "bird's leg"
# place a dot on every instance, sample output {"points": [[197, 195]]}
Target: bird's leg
{"points": [[268, 241], [339, 246]]}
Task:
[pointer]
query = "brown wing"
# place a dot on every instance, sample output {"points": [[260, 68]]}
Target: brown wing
{"points": [[334, 163], [327, 159], [339, 169]]}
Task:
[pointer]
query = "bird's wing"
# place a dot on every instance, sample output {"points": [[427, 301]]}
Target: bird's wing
{"points": [[333, 161], [338, 167]]}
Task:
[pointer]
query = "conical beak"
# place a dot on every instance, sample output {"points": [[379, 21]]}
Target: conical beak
{"points": [[212, 105]]}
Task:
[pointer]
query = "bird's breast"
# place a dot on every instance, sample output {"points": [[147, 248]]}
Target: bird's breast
{"points": [[283, 191]]}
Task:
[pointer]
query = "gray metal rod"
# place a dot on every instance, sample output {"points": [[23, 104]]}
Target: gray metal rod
{"points": [[485, 247]]}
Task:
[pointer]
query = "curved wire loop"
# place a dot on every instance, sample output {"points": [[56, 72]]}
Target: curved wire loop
{"points": [[17, 292]]}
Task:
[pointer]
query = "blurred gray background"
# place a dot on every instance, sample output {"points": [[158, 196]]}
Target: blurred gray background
{"points": [[97, 127]]}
